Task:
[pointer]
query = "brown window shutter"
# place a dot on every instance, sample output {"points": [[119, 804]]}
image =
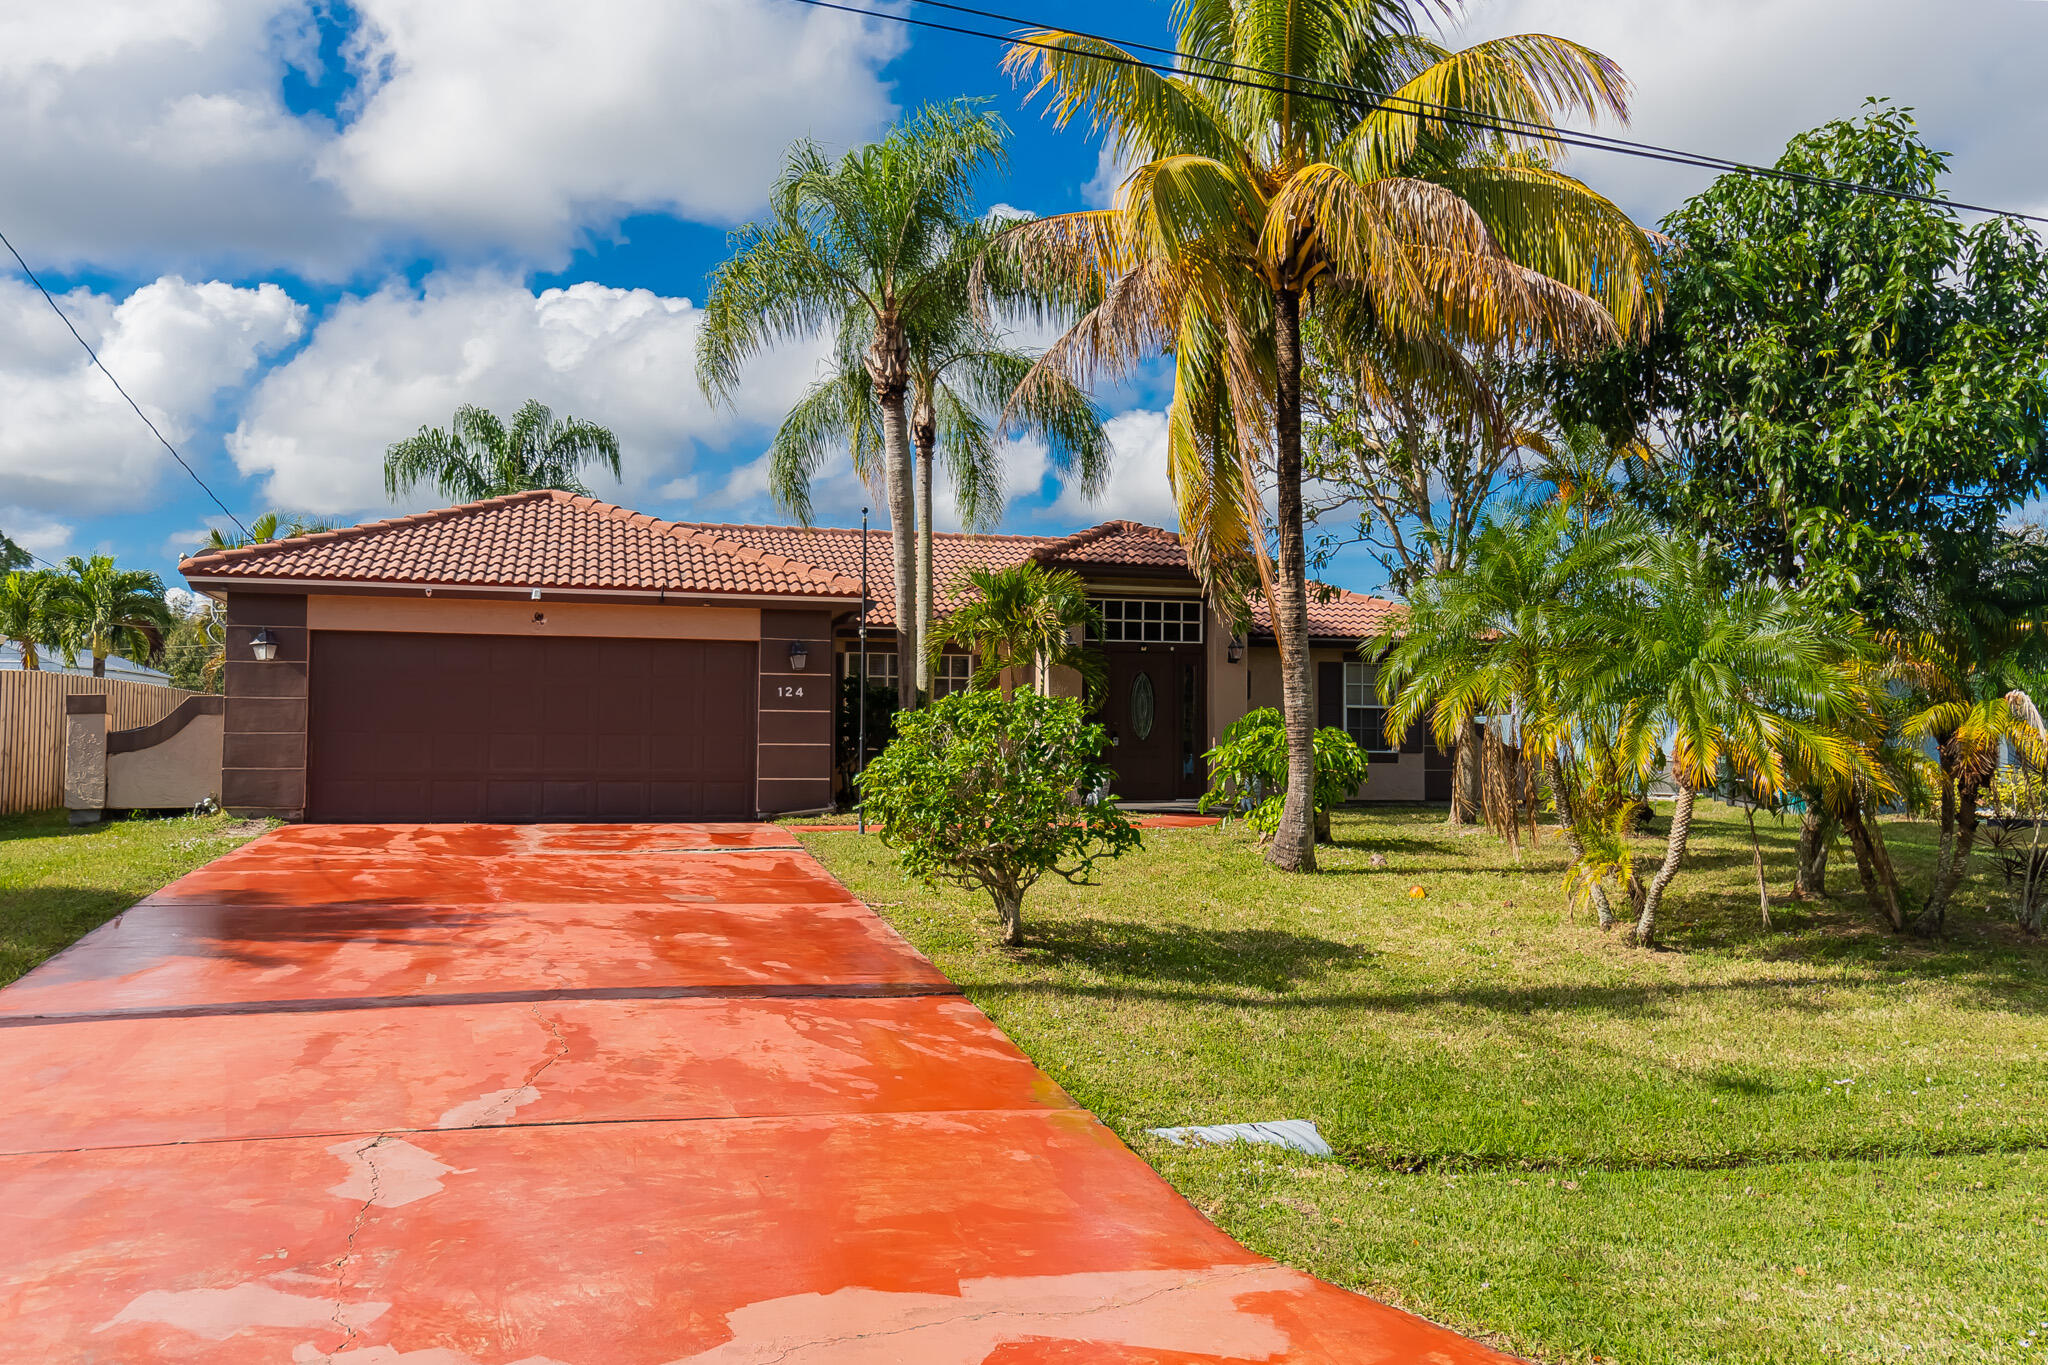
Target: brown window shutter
{"points": [[1330, 695]]}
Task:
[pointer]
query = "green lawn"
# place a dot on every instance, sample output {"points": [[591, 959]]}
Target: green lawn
{"points": [[1812, 1142], [58, 882]]}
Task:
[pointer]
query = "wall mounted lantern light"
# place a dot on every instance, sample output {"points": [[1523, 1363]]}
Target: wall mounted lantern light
{"points": [[1234, 651], [263, 645], [799, 655]]}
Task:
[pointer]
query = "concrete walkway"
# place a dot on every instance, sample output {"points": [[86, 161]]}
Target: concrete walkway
{"points": [[621, 1095]]}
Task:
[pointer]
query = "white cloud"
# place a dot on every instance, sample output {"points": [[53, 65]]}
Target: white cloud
{"points": [[380, 367], [36, 532], [1111, 170], [156, 130], [69, 442], [1737, 78], [1137, 488]]}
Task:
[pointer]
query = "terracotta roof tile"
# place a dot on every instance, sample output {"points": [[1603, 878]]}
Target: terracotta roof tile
{"points": [[542, 539], [1346, 616], [1118, 542]]}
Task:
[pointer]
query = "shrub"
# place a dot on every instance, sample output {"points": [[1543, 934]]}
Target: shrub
{"points": [[983, 791], [1248, 771]]}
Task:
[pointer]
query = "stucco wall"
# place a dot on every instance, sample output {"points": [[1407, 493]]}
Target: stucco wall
{"points": [[1397, 779], [173, 774]]}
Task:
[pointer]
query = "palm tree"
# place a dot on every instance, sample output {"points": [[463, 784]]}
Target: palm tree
{"points": [[479, 457], [866, 245], [266, 528], [962, 373], [1019, 622], [1719, 673], [1500, 638], [111, 610], [29, 613], [1410, 235]]}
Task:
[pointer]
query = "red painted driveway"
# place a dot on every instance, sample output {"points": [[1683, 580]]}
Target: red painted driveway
{"points": [[622, 1095]]}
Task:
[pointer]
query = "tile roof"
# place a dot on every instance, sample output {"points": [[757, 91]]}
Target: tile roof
{"points": [[541, 539], [1345, 616], [1118, 542]]}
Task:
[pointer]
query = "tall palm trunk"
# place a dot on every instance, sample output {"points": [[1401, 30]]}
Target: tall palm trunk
{"points": [[99, 664], [924, 436], [1294, 841], [1465, 776], [1811, 877], [1568, 817], [888, 365], [1674, 854]]}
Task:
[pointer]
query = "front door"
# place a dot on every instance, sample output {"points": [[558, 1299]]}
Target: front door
{"points": [[1152, 707]]}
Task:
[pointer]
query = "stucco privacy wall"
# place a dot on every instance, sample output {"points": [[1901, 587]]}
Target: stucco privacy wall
{"points": [[173, 764]]}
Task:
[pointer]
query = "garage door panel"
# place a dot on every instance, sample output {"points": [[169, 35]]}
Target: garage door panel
{"points": [[506, 728]]}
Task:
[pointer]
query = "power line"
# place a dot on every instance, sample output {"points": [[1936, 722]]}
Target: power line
{"points": [[1190, 66], [101, 366]]}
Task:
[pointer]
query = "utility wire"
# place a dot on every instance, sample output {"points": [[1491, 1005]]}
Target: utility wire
{"points": [[101, 365], [1190, 66]]}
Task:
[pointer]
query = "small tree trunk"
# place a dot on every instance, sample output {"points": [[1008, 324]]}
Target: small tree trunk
{"points": [[1756, 849], [1810, 878], [1465, 775], [1294, 845], [1010, 909], [903, 533], [924, 428], [1954, 863], [99, 665], [1674, 853], [1568, 820], [1874, 865]]}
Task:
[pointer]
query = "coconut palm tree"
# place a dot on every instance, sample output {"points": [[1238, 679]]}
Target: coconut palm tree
{"points": [[1714, 673], [478, 456], [30, 619], [962, 373], [1331, 180], [108, 610], [1019, 622], [865, 245]]}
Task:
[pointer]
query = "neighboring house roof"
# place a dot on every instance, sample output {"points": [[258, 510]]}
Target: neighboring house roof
{"points": [[1118, 542], [541, 539], [52, 661], [1344, 616]]}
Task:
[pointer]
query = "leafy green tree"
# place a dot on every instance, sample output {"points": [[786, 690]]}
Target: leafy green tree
{"points": [[12, 556], [868, 246], [111, 610], [478, 456], [1848, 389], [1717, 672], [1411, 237], [1248, 771], [1020, 621], [31, 613], [194, 650], [978, 791]]}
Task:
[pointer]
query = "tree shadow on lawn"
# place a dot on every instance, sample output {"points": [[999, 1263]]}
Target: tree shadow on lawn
{"points": [[1270, 960]]}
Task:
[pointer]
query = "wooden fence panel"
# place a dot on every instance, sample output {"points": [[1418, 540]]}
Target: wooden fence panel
{"points": [[32, 728]]}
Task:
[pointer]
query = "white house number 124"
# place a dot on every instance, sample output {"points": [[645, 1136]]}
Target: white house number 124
{"points": [[785, 690]]}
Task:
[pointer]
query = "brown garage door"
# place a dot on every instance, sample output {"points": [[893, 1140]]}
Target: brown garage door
{"points": [[494, 727]]}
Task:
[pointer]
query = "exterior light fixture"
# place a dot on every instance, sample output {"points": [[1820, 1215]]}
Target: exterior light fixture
{"points": [[1234, 651], [263, 645], [799, 655]]}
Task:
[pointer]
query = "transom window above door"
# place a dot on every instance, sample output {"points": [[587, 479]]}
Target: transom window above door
{"points": [[1151, 620]]}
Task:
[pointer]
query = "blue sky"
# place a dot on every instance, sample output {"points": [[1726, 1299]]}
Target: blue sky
{"points": [[300, 230]]}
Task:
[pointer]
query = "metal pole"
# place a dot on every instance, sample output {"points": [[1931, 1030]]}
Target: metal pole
{"points": [[860, 701]]}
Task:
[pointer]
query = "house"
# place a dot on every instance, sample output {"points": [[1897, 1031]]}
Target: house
{"points": [[543, 656], [52, 661]]}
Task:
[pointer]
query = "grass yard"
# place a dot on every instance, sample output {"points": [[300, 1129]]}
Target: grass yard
{"points": [[1811, 1142], [58, 882]]}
